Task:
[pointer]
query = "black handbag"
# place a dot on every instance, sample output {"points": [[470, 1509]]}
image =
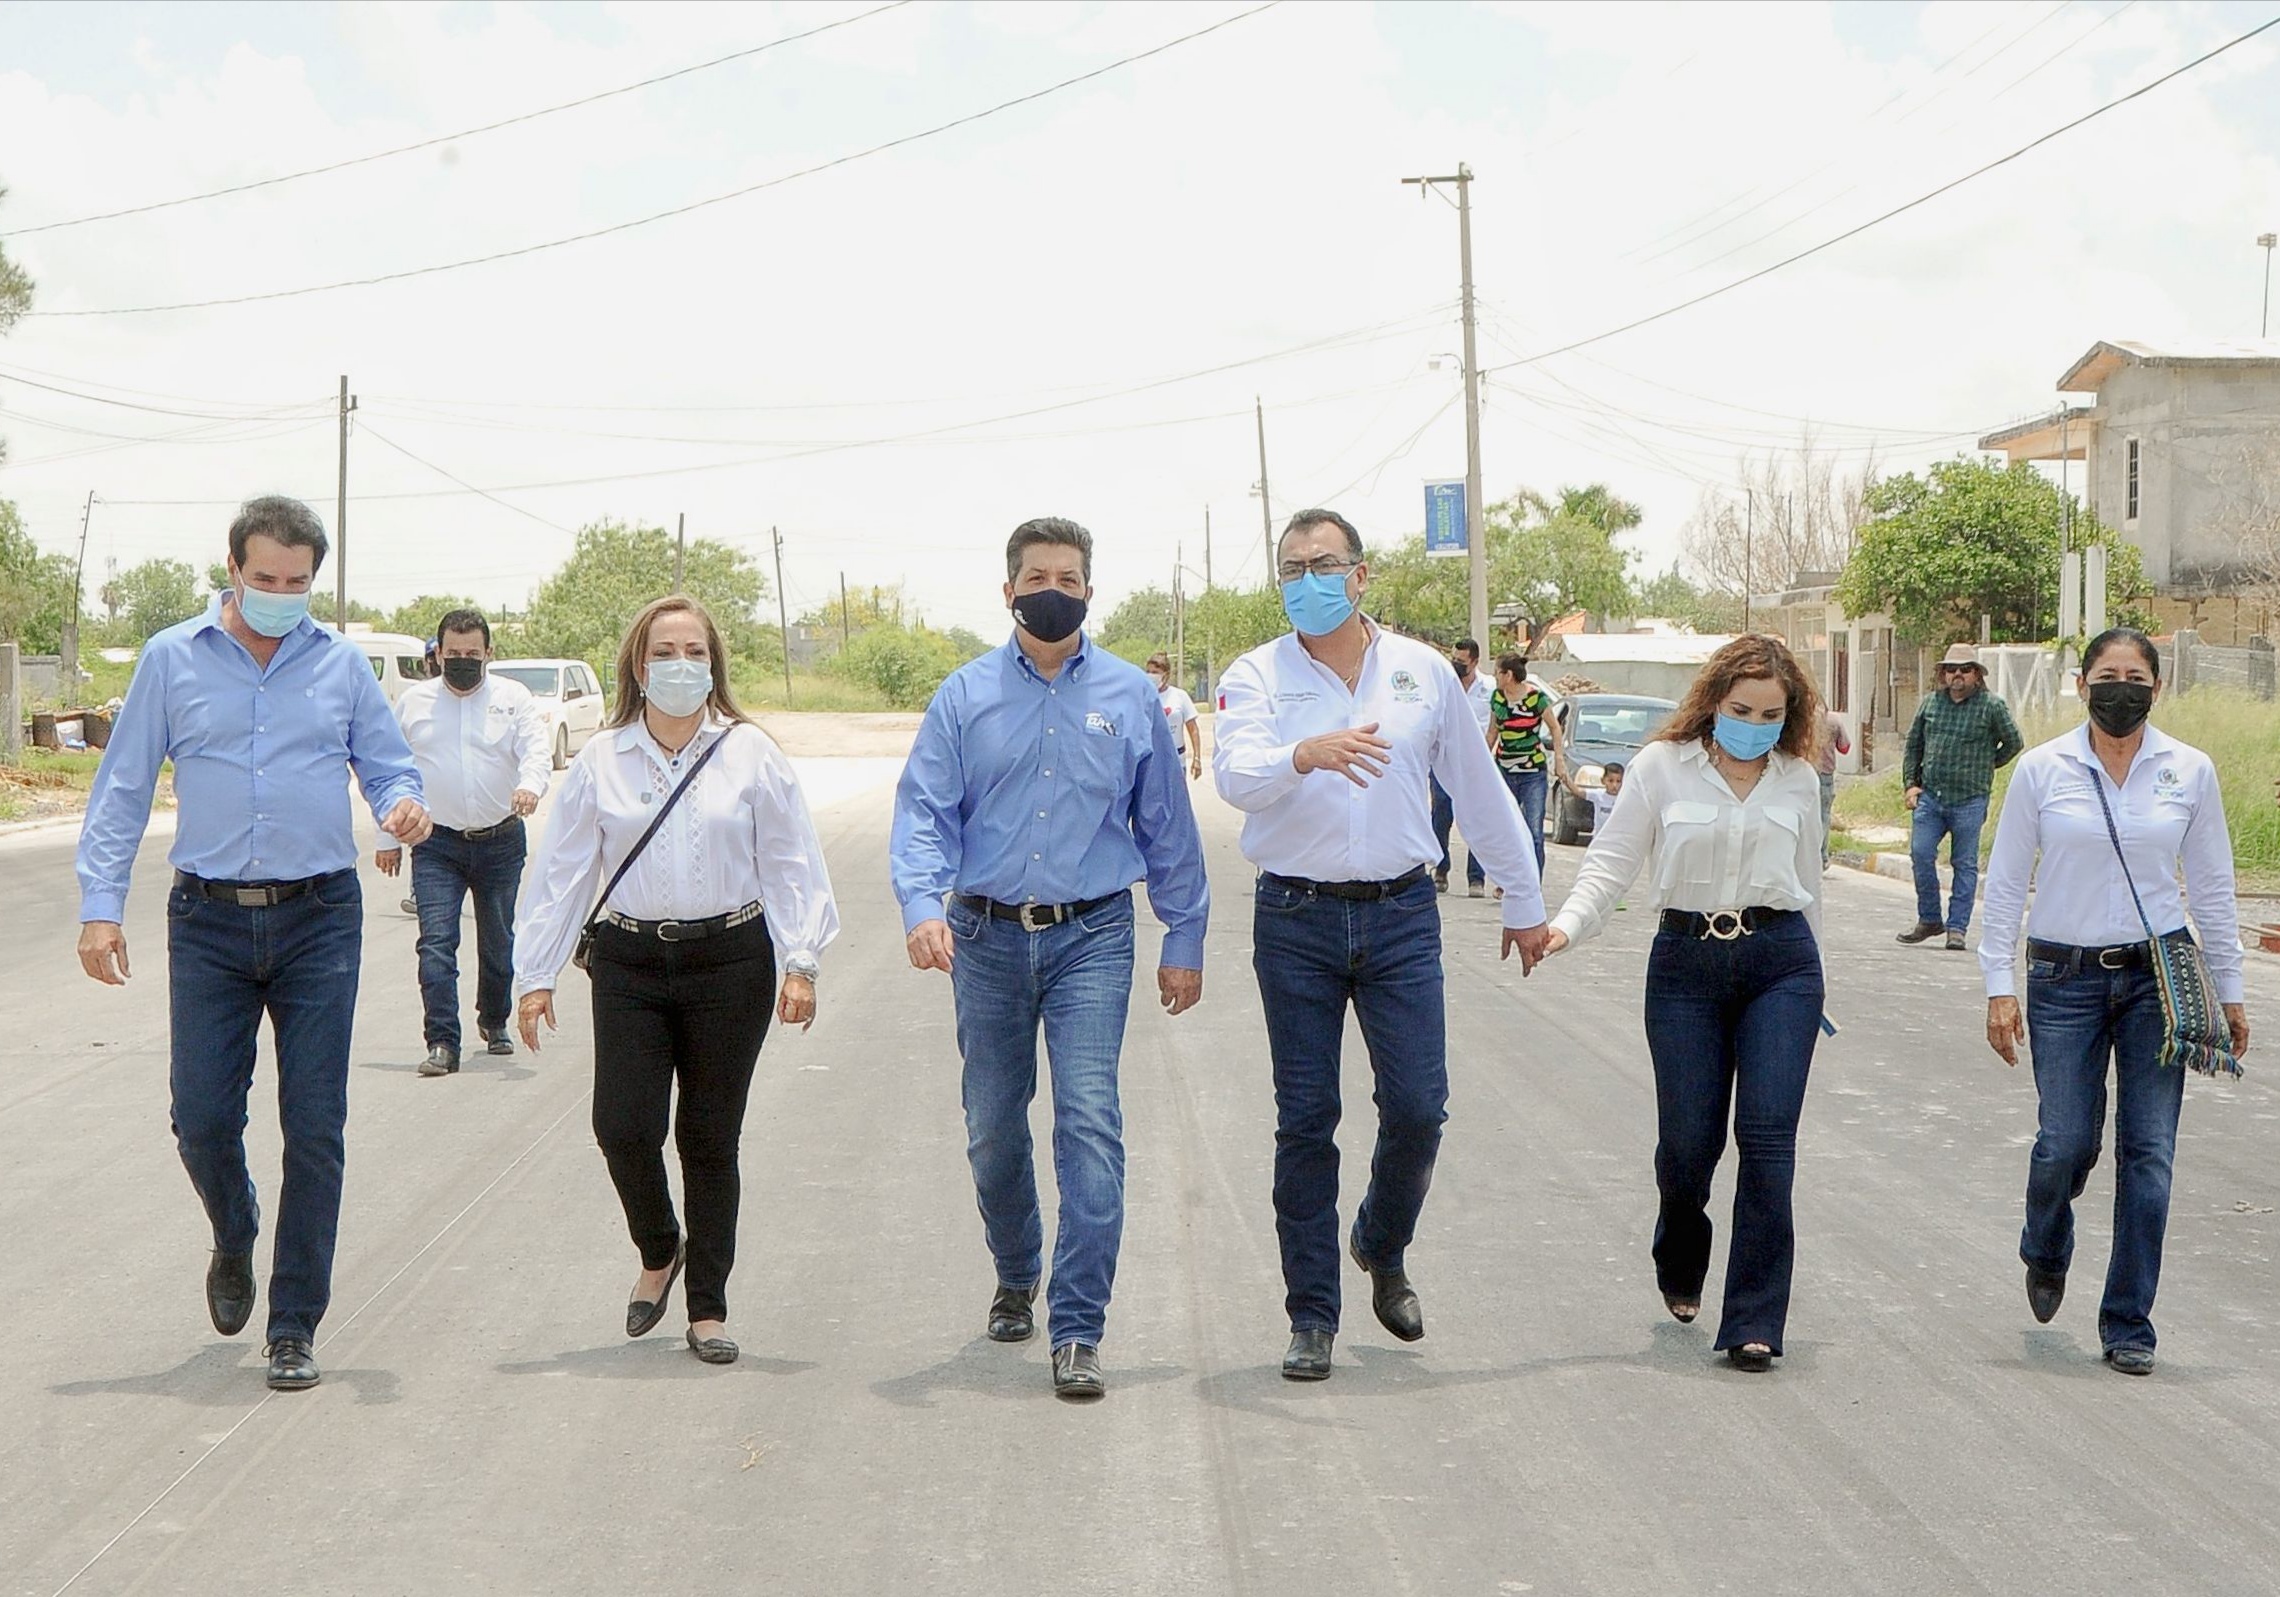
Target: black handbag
{"points": [[583, 955], [2194, 1032]]}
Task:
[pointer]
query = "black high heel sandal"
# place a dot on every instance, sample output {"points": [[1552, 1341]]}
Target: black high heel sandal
{"points": [[1755, 1357], [1683, 1310]]}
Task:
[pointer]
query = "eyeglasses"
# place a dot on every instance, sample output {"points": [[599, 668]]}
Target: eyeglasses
{"points": [[1956, 670], [1319, 566]]}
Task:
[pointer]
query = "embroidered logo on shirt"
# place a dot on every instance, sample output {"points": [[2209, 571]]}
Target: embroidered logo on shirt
{"points": [[1403, 682], [1097, 722]]}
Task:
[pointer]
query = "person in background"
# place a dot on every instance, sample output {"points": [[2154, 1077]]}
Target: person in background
{"points": [[1179, 711], [1835, 740], [687, 945], [266, 716], [1961, 737], [1043, 783], [1603, 797], [2093, 997], [1466, 658], [1524, 735], [1719, 808], [484, 761]]}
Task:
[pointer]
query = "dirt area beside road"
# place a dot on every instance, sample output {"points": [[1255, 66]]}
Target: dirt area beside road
{"points": [[827, 734]]}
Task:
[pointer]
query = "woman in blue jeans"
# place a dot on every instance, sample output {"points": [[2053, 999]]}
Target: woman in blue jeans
{"points": [[1724, 807], [2112, 810]]}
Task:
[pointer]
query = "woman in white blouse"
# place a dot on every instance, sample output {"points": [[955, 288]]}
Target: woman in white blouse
{"points": [[2091, 992], [686, 953], [1723, 808]]}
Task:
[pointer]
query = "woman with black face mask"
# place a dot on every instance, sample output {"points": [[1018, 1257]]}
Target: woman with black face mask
{"points": [[2113, 810]]}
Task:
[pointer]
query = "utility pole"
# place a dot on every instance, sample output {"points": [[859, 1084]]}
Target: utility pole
{"points": [[2266, 241], [70, 640], [1266, 509], [340, 517], [1207, 548], [1179, 616], [846, 632], [1476, 546], [681, 549], [783, 620], [1749, 555]]}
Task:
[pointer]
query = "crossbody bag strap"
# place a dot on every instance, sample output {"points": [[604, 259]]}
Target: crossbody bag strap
{"points": [[2098, 784], [664, 810]]}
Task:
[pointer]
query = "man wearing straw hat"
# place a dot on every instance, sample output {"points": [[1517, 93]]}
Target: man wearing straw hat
{"points": [[1962, 736]]}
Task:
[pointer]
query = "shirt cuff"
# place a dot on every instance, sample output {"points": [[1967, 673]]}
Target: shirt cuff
{"points": [[103, 904], [2003, 983], [1182, 951], [2232, 989], [919, 911], [1569, 922], [1522, 913]]}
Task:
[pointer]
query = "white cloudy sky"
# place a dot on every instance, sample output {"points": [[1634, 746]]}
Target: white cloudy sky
{"points": [[1005, 320]]}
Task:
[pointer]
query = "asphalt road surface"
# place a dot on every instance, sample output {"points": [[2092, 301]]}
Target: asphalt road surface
{"points": [[484, 1426]]}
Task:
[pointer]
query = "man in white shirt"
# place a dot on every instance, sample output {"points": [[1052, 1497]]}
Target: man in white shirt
{"points": [[1325, 741], [1179, 711], [1478, 691], [480, 743]]}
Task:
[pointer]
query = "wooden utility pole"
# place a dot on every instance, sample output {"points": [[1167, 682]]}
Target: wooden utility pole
{"points": [[1476, 543], [846, 632], [340, 517], [1207, 548], [783, 620], [1179, 616], [70, 641], [1266, 508], [681, 549]]}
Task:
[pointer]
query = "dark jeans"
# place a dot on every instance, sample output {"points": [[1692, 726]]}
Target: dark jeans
{"points": [[1732, 1025], [1073, 981], [697, 1013], [445, 869], [1960, 823], [227, 966], [2076, 1023], [1529, 790], [1444, 817], [1315, 954]]}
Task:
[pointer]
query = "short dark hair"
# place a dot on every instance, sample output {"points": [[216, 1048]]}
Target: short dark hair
{"points": [[287, 521], [1469, 646], [2120, 637], [1322, 518], [1611, 768], [463, 621], [1513, 665], [1047, 529], [1159, 658]]}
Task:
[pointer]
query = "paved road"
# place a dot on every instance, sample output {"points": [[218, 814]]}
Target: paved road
{"points": [[484, 1428]]}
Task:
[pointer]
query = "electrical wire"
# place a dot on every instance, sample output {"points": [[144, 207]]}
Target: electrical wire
{"points": [[379, 437], [678, 210], [156, 410]]}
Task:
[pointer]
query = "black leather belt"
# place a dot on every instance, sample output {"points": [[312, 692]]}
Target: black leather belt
{"points": [[1364, 892], [685, 931], [246, 895], [479, 833], [2121, 956], [1723, 924], [1033, 917]]}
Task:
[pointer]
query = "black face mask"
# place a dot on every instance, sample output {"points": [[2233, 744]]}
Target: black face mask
{"points": [[2120, 708], [1048, 615], [462, 673]]}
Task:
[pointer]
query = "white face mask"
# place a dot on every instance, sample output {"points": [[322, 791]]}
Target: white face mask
{"points": [[679, 687]]}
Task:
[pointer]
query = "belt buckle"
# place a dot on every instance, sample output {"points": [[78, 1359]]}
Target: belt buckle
{"points": [[2116, 958], [1724, 924], [254, 898], [1030, 922], [669, 931]]}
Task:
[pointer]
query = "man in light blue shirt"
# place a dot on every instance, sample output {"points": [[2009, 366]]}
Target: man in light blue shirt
{"points": [[1043, 784], [265, 715]]}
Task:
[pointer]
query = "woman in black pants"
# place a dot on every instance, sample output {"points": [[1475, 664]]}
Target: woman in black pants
{"points": [[687, 949]]}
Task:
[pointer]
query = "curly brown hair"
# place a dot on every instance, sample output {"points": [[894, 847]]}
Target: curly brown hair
{"points": [[1755, 658]]}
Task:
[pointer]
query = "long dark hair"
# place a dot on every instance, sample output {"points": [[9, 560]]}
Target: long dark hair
{"points": [[1756, 658], [626, 709]]}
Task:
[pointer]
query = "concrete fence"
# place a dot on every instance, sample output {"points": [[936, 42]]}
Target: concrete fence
{"points": [[2188, 663]]}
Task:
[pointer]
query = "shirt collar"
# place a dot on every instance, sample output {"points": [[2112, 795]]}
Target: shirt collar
{"points": [[211, 621], [1028, 667], [635, 734], [2153, 746]]}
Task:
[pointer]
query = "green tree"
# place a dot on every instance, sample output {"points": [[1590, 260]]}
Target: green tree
{"points": [[35, 588], [1671, 596], [1139, 626], [968, 644], [418, 618], [1973, 537], [1597, 504], [1549, 558], [153, 596], [904, 665], [879, 606], [323, 608], [581, 612], [15, 299]]}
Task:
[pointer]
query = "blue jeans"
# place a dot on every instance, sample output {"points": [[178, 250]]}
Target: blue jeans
{"points": [[1314, 955], [1732, 1026], [297, 963], [1829, 810], [2075, 1024], [1960, 823], [1529, 790], [445, 869], [1074, 980], [1444, 817]]}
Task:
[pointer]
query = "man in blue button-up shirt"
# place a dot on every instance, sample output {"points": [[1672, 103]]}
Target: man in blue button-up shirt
{"points": [[1043, 784], [265, 715]]}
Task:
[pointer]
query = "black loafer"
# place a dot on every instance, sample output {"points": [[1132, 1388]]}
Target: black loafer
{"points": [[440, 1061], [1922, 932], [712, 1349], [641, 1315], [292, 1366], [1013, 1315], [1755, 1357], [2046, 1289], [1309, 1356], [229, 1291], [2131, 1360], [1076, 1373], [1392, 1297], [497, 1039]]}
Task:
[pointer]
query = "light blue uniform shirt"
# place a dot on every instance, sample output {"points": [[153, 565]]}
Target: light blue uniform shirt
{"points": [[1029, 791], [261, 760]]}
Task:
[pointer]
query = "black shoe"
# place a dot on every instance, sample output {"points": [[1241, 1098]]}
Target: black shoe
{"points": [[2131, 1360], [500, 1042], [229, 1291], [292, 1366], [1955, 942], [1076, 1373], [1392, 1297], [1012, 1315], [441, 1061], [1309, 1356], [1683, 1309], [1754, 1357], [1923, 931], [641, 1316], [1440, 881], [712, 1349], [2046, 1290]]}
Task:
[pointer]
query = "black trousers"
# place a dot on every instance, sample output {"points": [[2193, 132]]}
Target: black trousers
{"points": [[695, 1013]]}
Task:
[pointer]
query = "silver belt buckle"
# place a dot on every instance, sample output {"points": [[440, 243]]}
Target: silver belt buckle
{"points": [[1724, 924], [254, 898], [1030, 922], [2113, 958], [669, 931]]}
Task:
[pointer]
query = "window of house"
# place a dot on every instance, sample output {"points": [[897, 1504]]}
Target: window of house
{"points": [[2130, 497]]}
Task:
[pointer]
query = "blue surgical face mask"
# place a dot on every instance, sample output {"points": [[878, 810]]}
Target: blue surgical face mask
{"points": [[1747, 740], [1316, 604], [271, 614], [679, 687]]}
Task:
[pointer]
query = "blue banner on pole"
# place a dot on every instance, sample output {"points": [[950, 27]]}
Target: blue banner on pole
{"points": [[1445, 519]]}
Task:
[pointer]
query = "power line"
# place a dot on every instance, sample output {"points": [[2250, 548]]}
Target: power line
{"points": [[470, 487], [156, 410], [678, 210], [1897, 210], [451, 138]]}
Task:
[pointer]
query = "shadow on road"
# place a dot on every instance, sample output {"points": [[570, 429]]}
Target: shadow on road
{"points": [[991, 1370], [661, 1360], [2048, 1352], [467, 1067], [220, 1375]]}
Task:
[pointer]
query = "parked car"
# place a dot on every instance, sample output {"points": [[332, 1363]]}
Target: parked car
{"points": [[568, 696], [398, 660], [1594, 729]]}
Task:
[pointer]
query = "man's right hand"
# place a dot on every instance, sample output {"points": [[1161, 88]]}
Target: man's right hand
{"points": [[1914, 794], [1358, 755], [931, 945], [103, 952]]}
